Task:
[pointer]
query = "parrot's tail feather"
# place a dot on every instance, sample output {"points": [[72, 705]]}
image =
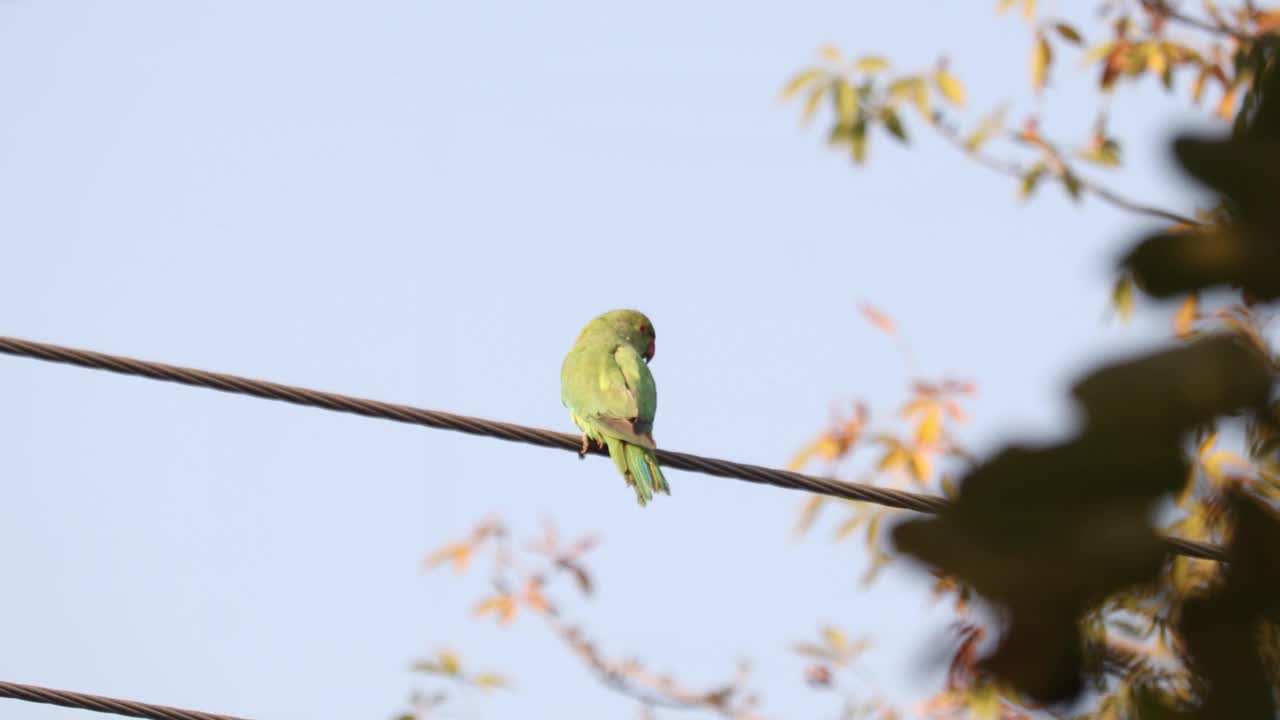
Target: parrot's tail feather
{"points": [[643, 469], [640, 467]]}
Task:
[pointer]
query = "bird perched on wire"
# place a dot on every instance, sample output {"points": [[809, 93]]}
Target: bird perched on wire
{"points": [[606, 385]]}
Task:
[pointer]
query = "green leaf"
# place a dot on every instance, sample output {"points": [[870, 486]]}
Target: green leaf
{"points": [[950, 87], [799, 81], [858, 141], [893, 124], [840, 135], [1030, 180], [1068, 33], [1106, 153], [1073, 185], [871, 64]]}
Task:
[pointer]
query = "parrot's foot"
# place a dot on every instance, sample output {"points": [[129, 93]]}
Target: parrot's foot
{"points": [[582, 453]]}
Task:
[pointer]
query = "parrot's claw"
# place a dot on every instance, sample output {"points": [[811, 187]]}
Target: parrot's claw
{"points": [[582, 453]]}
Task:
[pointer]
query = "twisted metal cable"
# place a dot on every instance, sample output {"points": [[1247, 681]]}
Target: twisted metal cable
{"points": [[504, 431], [98, 703]]}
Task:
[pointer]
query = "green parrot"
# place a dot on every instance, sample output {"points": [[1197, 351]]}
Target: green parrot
{"points": [[606, 385]]}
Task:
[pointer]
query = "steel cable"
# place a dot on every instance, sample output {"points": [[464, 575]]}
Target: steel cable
{"points": [[505, 431], [98, 703]]}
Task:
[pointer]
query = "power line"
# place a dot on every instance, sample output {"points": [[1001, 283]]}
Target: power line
{"points": [[98, 703], [504, 431]]}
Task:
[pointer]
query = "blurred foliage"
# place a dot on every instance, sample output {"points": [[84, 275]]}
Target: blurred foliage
{"points": [[522, 580], [1094, 618]]}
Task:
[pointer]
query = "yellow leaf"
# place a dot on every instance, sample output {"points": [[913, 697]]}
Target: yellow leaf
{"points": [[1207, 444], [1097, 52], [990, 125], [811, 103], [829, 52], [950, 87], [1041, 57], [835, 639], [893, 459], [848, 526], [915, 89], [1157, 61], [805, 454], [1028, 10], [1122, 297], [489, 681], [871, 64], [449, 663], [930, 427], [808, 513], [1003, 6], [846, 101], [921, 466], [799, 81], [1185, 318], [984, 704]]}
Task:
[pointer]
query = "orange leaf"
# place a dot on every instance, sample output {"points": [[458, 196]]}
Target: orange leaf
{"points": [[1185, 318], [534, 598], [877, 318], [459, 553], [1266, 22], [504, 606], [1227, 106]]}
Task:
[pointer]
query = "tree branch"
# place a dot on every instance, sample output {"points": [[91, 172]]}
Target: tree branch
{"points": [[1059, 170], [629, 678], [1218, 27]]}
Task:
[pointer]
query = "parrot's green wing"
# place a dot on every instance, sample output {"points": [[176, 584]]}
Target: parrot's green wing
{"points": [[608, 384]]}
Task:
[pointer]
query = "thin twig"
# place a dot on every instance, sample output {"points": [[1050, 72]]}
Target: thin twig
{"points": [[1058, 169], [1218, 27]]}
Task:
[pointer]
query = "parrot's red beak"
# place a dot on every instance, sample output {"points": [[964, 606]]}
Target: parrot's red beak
{"points": [[648, 353]]}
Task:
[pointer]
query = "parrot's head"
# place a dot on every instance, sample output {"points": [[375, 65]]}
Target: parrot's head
{"points": [[633, 327]]}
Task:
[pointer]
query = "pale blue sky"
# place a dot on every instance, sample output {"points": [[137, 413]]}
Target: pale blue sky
{"points": [[422, 202]]}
